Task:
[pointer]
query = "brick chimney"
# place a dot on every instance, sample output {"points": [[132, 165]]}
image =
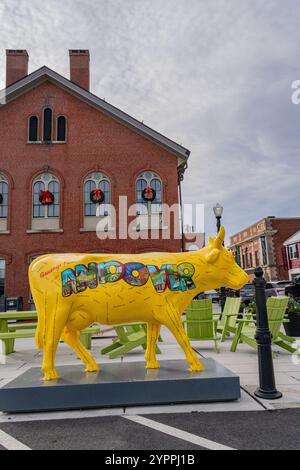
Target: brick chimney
{"points": [[80, 67], [16, 65]]}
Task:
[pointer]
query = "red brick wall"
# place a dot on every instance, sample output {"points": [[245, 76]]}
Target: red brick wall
{"points": [[95, 142], [285, 229]]}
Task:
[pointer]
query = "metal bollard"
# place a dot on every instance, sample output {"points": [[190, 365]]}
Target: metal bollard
{"points": [[267, 387]]}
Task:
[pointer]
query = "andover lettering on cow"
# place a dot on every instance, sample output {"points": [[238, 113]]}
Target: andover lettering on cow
{"points": [[171, 276]]}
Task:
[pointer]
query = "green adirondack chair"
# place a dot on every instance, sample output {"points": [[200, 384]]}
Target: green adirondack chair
{"points": [[276, 307], [228, 322], [200, 324], [137, 327], [9, 332], [129, 337]]}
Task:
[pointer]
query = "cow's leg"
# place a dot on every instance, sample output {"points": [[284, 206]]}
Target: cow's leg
{"points": [[53, 333], [152, 337], [71, 338], [172, 320]]}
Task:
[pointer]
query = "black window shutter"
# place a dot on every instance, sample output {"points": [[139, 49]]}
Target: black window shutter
{"points": [[47, 125], [33, 129], [61, 129]]}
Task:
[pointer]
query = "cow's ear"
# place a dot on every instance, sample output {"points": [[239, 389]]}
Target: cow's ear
{"points": [[212, 256]]}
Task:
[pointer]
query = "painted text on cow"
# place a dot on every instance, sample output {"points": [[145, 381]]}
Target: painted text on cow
{"points": [[171, 276]]}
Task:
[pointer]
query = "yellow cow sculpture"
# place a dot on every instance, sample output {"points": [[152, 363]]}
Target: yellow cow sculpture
{"points": [[73, 291]]}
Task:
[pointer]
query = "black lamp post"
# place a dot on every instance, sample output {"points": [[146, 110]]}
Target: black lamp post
{"points": [[267, 388], [218, 211]]}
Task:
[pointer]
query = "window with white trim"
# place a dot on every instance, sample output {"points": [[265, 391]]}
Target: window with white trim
{"points": [[3, 203], [96, 186], [45, 202], [149, 200], [293, 251]]}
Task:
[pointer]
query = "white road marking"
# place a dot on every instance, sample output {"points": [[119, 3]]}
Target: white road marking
{"points": [[175, 432], [10, 443]]}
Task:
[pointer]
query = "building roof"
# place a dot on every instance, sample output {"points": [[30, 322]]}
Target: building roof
{"points": [[293, 239], [45, 74]]}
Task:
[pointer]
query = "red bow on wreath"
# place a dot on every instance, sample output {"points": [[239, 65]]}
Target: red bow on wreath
{"points": [[46, 198], [149, 194]]}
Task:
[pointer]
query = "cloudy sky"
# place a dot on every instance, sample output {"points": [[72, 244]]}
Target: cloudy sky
{"points": [[214, 75]]}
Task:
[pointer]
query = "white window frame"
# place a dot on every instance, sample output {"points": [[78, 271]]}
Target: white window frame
{"points": [[45, 222], [149, 219], [102, 210], [293, 251]]}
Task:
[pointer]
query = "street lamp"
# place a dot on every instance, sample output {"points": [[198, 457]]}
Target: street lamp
{"points": [[218, 211]]}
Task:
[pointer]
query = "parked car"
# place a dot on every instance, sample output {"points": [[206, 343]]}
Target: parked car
{"points": [[247, 293], [280, 287], [213, 295], [293, 289]]}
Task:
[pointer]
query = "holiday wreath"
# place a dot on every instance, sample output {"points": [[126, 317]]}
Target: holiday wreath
{"points": [[97, 196], [149, 194]]}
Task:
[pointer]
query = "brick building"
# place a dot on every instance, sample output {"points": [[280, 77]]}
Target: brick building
{"points": [[292, 247], [261, 244], [59, 144]]}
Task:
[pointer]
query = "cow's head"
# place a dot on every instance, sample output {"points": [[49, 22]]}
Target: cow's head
{"points": [[223, 269]]}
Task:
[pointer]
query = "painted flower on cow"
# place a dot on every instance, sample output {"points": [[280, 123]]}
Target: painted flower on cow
{"points": [[149, 194], [97, 196], [46, 198]]}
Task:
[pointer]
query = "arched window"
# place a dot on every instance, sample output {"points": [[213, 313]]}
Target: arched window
{"points": [[92, 182], [33, 129], [149, 179], [3, 198], [45, 202], [47, 128], [61, 129], [149, 211]]}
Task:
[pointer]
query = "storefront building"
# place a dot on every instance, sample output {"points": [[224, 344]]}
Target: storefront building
{"points": [[292, 247], [261, 244]]}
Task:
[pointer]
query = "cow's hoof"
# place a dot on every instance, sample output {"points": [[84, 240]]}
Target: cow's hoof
{"points": [[52, 375], [197, 368], [152, 365], [92, 368]]}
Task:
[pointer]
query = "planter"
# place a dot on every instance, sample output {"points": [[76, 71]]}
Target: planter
{"points": [[293, 327]]}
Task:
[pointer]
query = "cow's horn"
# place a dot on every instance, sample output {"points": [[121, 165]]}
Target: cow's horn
{"points": [[220, 238]]}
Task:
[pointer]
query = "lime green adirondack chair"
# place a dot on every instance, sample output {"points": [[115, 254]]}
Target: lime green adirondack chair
{"points": [[200, 324], [137, 327], [276, 307], [129, 338], [228, 322]]}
